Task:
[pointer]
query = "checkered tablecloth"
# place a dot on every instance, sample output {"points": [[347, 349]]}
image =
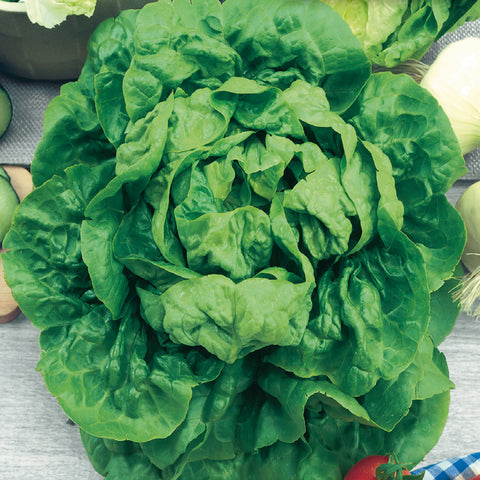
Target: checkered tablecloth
{"points": [[458, 468]]}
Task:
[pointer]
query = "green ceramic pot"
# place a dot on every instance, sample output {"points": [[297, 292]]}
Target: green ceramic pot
{"points": [[30, 51]]}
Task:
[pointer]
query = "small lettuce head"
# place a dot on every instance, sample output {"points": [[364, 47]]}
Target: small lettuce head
{"points": [[49, 13]]}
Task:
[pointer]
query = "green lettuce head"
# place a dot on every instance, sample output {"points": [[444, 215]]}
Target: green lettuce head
{"points": [[239, 249]]}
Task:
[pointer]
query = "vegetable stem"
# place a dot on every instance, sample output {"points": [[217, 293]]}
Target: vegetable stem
{"points": [[412, 67], [467, 293]]}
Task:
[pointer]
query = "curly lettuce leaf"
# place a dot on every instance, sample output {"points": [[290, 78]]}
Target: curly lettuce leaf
{"points": [[271, 34], [387, 115], [73, 124]]}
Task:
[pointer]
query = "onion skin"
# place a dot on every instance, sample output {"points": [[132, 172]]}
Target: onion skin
{"points": [[468, 205], [453, 81]]}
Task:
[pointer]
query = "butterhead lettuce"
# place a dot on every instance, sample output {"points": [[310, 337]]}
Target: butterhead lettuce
{"points": [[238, 249], [49, 13]]}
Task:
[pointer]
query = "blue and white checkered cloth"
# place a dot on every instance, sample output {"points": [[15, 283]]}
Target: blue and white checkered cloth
{"points": [[458, 468]]}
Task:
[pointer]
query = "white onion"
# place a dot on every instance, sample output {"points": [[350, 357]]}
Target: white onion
{"points": [[454, 80]]}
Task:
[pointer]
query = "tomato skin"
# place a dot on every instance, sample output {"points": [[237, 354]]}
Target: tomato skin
{"points": [[365, 468]]}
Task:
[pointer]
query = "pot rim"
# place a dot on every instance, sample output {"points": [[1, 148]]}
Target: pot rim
{"points": [[12, 7]]}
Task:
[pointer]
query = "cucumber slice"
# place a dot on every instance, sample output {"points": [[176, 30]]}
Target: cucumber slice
{"points": [[3, 173], [8, 204], [5, 111]]}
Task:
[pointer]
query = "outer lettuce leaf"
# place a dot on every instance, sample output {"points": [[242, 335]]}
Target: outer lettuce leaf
{"points": [[72, 124], [352, 441], [405, 133], [333, 445], [51, 266], [444, 312], [177, 44], [106, 273], [434, 226], [104, 356], [387, 115]]}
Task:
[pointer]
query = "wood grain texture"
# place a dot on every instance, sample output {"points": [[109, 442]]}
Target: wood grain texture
{"points": [[462, 431], [37, 440]]}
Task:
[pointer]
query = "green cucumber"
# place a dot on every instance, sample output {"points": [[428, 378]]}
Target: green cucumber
{"points": [[3, 173], [6, 111], [8, 204]]}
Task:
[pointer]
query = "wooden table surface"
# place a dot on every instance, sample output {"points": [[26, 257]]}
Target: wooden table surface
{"points": [[38, 442]]}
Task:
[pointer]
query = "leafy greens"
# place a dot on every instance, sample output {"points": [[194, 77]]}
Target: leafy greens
{"points": [[395, 31], [239, 249], [50, 13]]}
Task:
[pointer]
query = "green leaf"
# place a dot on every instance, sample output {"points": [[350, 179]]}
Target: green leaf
{"points": [[365, 305], [99, 374], [321, 199], [443, 310], [175, 46], [438, 230], [49, 262], [135, 248], [391, 120], [218, 314], [271, 35], [110, 285]]}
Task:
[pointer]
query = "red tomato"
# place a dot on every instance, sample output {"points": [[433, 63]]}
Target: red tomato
{"points": [[365, 468]]}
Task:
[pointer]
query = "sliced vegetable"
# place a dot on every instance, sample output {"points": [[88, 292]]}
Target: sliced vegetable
{"points": [[6, 111], [8, 306], [8, 203], [3, 172], [20, 179], [15, 184], [468, 206]]}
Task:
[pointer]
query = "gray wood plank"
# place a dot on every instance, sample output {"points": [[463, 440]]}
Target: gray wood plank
{"points": [[37, 440]]}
